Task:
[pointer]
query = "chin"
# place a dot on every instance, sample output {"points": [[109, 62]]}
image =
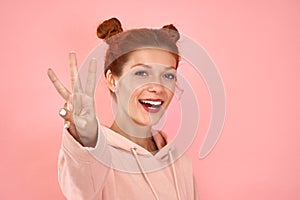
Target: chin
{"points": [[150, 120]]}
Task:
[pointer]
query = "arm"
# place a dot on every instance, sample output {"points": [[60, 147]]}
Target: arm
{"points": [[80, 175]]}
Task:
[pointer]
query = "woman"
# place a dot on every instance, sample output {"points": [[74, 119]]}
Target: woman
{"points": [[128, 160]]}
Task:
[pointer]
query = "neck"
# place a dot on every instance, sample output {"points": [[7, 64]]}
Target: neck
{"points": [[140, 135]]}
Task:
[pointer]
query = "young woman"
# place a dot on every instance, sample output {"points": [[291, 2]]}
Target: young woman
{"points": [[128, 160]]}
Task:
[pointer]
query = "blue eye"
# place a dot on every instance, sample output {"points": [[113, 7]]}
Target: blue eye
{"points": [[141, 73], [170, 76]]}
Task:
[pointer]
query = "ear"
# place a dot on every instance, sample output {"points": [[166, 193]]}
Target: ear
{"points": [[111, 81]]}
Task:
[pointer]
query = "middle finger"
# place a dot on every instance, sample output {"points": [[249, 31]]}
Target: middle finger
{"points": [[75, 79]]}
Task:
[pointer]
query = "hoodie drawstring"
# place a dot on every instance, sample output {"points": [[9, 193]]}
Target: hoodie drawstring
{"points": [[174, 174], [143, 172], [133, 150]]}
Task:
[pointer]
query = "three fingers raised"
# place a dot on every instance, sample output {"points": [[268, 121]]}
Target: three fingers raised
{"points": [[75, 79]]}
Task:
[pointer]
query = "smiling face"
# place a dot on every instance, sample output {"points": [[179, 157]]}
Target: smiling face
{"points": [[146, 86]]}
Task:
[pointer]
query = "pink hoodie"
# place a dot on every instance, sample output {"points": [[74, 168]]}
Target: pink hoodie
{"points": [[119, 169]]}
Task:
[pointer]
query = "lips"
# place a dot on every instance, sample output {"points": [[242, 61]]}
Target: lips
{"points": [[151, 105]]}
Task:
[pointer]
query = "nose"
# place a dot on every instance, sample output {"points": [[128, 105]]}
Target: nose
{"points": [[155, 87]]}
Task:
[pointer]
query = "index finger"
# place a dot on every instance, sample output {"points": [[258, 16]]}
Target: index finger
{"points": [[61, 89]]}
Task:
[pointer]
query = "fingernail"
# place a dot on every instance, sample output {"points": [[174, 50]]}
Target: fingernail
{"points": [[62, 112], [94, 60], [69, 106], [67, 125]]}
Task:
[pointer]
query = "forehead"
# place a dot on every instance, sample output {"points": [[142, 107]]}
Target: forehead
{"points": [[151, 56]]}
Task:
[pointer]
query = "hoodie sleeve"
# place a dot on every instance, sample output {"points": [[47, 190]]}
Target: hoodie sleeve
{"points": [[80, 175]]}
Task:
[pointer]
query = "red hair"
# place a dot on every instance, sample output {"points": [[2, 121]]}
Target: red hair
{"points": [[122, 43]]}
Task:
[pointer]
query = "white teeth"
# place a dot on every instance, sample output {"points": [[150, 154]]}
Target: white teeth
{"points": [[154, 103]]}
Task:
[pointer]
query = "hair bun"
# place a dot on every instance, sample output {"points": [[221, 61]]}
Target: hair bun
{"points": [[109, 28], [172, 30]]}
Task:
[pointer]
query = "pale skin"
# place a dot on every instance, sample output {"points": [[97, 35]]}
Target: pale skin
{"points": [[82, 111]]}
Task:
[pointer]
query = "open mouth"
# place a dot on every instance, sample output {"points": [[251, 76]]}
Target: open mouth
{"points": [[152, 106]]}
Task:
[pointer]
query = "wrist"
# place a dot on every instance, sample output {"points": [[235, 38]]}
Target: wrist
{"points": [[90, 139]]}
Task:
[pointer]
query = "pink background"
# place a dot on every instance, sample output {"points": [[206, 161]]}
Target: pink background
{"points": [[255, 45]]}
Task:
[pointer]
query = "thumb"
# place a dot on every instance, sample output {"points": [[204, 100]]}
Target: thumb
{"points": [[69, 123]]}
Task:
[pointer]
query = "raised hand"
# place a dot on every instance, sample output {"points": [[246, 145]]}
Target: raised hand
{"points": [[79, 111]]}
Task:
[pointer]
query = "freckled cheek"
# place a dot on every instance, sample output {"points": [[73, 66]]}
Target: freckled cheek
{"points": [[169, 98], [133, 100], [124, 96]]}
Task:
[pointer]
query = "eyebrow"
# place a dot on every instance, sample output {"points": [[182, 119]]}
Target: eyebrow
{"points": [[149, 66]]}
